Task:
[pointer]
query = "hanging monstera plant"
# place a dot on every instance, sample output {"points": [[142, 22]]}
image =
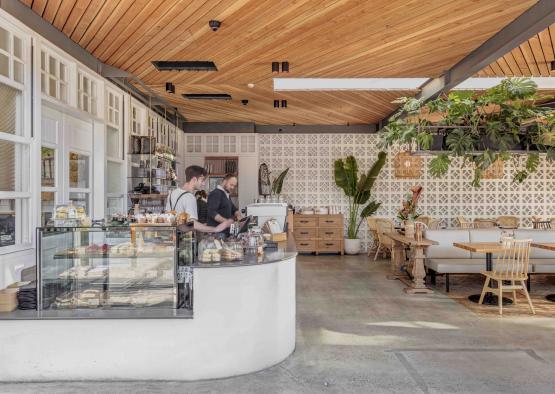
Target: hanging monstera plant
{"points": [[500, 123]]}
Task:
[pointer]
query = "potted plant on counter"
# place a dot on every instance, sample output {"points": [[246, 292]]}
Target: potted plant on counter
{"points": [[358, 191], [408, 214]]}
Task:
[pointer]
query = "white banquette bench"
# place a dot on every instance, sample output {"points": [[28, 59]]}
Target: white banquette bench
{"points": [[445, 259]]}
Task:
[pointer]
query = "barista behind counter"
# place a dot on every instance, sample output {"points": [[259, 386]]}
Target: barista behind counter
{"points": [[182, 199], [220, 207]]}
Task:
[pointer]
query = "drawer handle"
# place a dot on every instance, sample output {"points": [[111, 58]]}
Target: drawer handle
{"points": [[329, 244], [304, 221], [304, 244], [330, 221], [329, 233], [304, 233]]}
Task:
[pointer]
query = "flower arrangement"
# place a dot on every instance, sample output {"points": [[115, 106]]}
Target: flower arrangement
{"points": [[409, 212]]}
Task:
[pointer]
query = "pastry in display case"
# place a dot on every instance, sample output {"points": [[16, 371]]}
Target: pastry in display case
{"points": [[114, 267]]}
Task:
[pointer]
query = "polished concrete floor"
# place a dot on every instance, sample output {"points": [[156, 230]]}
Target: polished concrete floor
{"points": [[358, 332]]}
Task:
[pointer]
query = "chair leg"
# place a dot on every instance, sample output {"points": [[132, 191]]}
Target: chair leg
{"points": [[377, 251], [432, 277], [484, 290], [528, 283], [447, 283], [500, 296], [514, 292], [528, 298]]}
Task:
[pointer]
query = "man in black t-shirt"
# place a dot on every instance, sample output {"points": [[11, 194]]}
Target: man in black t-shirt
{"points": [[220, 206]]}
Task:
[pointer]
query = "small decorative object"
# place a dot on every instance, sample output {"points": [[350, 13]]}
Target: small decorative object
{"points": [[407, 166], [408, 213], [495, 170], [358, 191], [264, 184]]}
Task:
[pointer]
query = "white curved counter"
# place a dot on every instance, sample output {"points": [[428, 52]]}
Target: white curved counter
{"points": [[244, 321]]}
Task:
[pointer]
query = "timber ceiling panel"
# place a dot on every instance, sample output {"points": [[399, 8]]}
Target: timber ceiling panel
{"points": [[319, 38], [530, 59]]}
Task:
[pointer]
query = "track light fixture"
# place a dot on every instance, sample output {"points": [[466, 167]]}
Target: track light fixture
{"points": [[276, 103], [275, 67], [170, 87], [552, 66], [283, 103], [284, 67]]}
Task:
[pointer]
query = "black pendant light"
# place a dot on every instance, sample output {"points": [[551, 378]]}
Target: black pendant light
{"points": [[170, 87], [276, 103], [284, 67], [275, 67], [283, 103]]}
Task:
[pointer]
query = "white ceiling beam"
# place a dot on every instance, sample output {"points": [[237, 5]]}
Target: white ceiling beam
{"points": [[331, 84]]}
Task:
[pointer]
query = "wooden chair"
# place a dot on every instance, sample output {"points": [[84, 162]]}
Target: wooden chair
{"points": [[373, 231], [539, 224], [385, 244], [484, 223], [508, 222], [424, 219], [465, 223], [511, 265], [434, 224]]}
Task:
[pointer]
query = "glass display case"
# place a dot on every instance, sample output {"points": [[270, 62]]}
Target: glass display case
{"points": [[114, 267]]}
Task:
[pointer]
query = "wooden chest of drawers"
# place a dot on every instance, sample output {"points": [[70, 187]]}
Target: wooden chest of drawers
{"points": [[318, 233]]}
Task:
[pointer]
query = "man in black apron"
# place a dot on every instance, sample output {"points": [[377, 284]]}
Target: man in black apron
{"points": [[220, 207], [183, 200]]}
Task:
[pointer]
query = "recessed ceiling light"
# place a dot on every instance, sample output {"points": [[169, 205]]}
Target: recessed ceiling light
{"points": [[250, 85]]}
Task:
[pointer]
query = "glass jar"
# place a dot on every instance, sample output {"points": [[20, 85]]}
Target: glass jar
{"points": [[208, 250], [232, 251]]}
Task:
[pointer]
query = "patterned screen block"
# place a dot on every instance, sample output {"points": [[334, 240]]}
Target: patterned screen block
{"points": [[310, 183]]}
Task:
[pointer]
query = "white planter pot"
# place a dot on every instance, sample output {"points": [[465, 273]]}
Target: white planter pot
{"points": [[352, 246]]}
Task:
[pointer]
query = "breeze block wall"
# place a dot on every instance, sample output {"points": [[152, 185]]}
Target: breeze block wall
{"points": [[310, 180]]}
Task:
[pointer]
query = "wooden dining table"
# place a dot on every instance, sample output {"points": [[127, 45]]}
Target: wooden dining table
{"points": [[488, 248], [546, 246], [416, 264]]}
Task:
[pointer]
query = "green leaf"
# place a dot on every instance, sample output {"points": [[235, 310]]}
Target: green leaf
{"points": [[370, 209], [477, 178], [520, 176], [373, 172], [340, 176], [532, 162], [439, 165], [424, 140], [277, 185], [550, 154], [460, 142]]}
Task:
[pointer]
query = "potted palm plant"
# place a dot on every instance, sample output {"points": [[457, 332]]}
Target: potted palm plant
{"points": [[358, 191]]}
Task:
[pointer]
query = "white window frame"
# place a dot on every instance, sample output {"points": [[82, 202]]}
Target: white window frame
{"points": [[12, 58], [21, 137], [111, 111], [46, 74], [51, 189], [86, 190], [90, 97]]}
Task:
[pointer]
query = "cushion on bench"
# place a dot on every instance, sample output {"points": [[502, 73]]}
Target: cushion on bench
{"points": [[455, 266], [445, 249], [542, 266], [542, 236]]}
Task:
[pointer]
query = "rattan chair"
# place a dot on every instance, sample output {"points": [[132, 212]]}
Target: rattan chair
{"points": [[385, 244], [508, 222], [373, 231], [511, 265], [464, 223], [484, 223], [424, 219], [541, 224]]}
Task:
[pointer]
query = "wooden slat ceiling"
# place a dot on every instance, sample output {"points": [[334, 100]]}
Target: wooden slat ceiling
{"points": [[319, 38], [530, 59]]}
